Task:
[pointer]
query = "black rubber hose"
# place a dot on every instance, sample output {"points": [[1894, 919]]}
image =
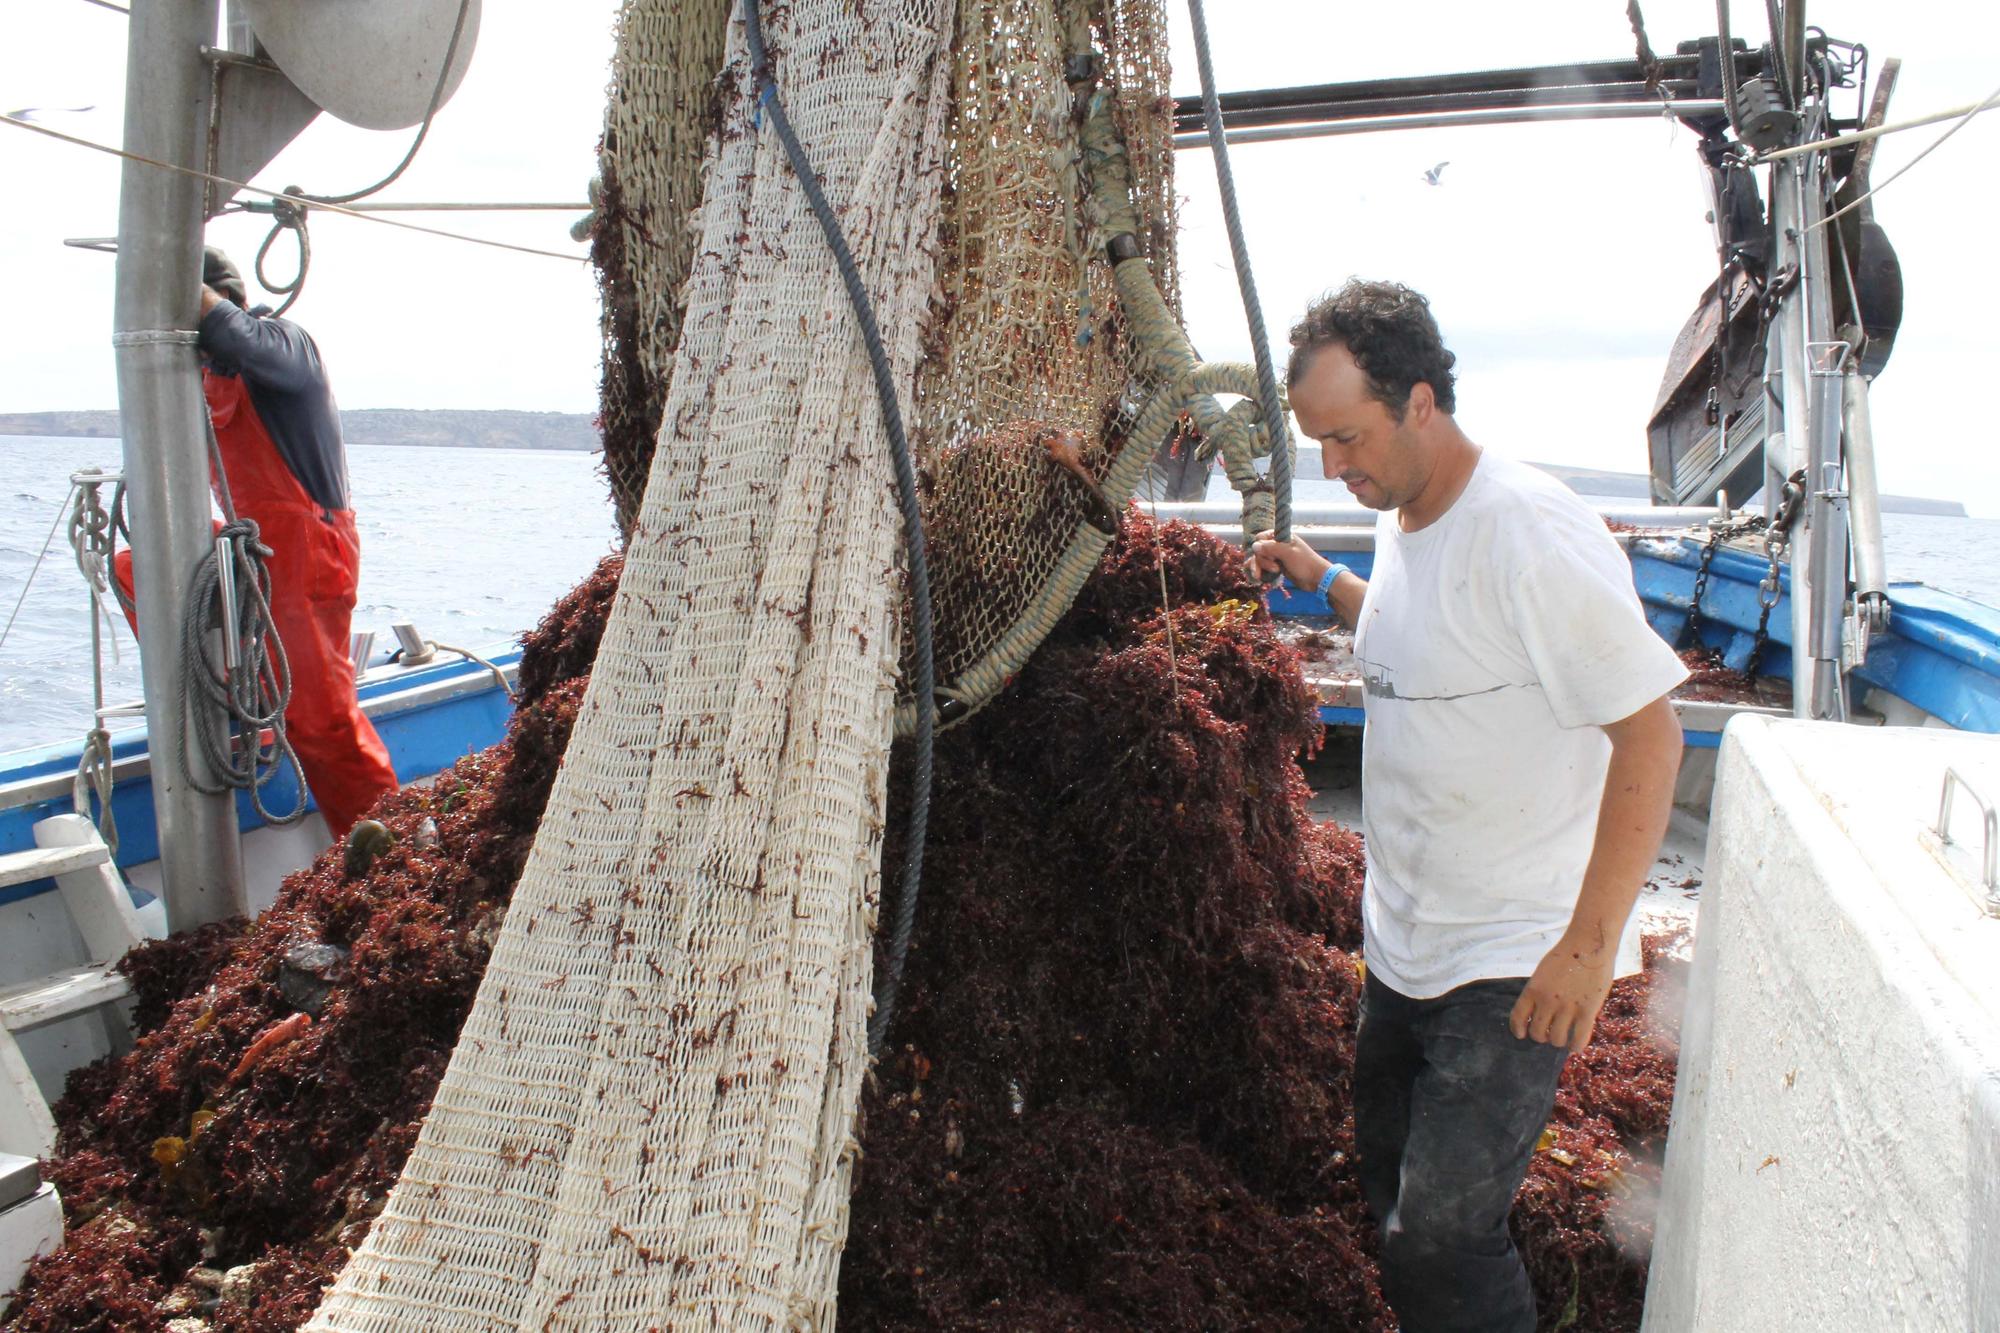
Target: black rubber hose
{"points": [[1278, 429], [905, 917], [1728, 52]]}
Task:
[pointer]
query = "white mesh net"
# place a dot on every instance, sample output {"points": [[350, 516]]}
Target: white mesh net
{"points": [[647, 1121]]}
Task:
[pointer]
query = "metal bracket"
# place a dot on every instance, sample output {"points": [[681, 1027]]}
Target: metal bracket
{"points": [[1854, 635], [1990, 859]]}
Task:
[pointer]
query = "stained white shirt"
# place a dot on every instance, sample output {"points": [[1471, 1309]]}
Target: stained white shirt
{"points": [[1494, 645]]}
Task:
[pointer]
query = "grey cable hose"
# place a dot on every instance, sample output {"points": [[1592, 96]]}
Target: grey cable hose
{"points": [[292, 217], [423, 131], [904, 920], [1267, 379]]}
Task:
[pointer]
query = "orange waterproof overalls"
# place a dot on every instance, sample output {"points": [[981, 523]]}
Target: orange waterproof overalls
{"points": [[315, 565]]}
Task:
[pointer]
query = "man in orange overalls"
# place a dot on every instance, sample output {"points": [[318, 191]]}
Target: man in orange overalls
{"points": [[279, 435]]}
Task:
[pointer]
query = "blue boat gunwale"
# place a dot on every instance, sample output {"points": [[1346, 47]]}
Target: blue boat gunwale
{"points": [[429, 717], [1941, 653]]}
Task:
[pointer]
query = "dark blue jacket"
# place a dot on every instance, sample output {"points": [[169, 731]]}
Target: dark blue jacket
{"points": [[280, 366]]}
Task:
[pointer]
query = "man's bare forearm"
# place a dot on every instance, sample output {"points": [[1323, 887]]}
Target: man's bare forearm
{"points": [[1631, 821], [1562, 999]]}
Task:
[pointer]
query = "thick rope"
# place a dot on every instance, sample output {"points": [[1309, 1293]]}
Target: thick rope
{"points": [[1992, 99], [254, 692], [904, 922], [1267, 378]]}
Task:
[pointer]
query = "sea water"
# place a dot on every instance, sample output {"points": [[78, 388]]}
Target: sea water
{"points": [[472, 546]]}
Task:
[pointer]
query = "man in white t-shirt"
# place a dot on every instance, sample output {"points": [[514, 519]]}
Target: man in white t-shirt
{"points": [[1517, 773]]}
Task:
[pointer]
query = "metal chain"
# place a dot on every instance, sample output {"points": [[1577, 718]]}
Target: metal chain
{"points": [[1776, 540], [1772, 295], [1718, 533]]}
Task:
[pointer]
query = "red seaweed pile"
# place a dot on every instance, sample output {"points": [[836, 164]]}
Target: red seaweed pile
{"points": [[1116, 1095], [223, 1169]]}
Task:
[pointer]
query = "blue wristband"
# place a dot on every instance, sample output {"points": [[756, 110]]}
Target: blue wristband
{"points": [[1326, 582]]}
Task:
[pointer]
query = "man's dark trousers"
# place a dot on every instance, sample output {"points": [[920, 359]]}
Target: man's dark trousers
{"points": [[1448, 1104]]}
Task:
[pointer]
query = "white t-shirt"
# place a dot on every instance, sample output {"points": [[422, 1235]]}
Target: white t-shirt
{"points": [[1493, 644]]}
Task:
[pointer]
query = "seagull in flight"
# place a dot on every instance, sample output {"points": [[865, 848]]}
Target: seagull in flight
{"points": [[30, 112], [1431, 176]]}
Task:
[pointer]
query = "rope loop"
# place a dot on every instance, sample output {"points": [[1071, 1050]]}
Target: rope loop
{"points": [[286, 215]]}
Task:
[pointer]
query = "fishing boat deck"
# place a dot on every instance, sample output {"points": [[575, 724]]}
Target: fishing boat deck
{"points": [[1710, 696]]}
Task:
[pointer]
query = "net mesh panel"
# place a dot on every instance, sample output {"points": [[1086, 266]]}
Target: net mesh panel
{"points": [[1026, 340], [648, 1119], [658, 122]]}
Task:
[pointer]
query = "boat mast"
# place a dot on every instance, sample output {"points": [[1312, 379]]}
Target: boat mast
{"points": [[1814, 378], [164, 425]]}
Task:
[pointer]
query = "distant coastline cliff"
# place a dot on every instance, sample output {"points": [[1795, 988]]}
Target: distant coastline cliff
{"points": [[577, 431], [438, 428]]}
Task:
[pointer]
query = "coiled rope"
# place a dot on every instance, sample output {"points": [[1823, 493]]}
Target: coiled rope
{"points": [[1275, 427], [244, 674], [904, 921]]}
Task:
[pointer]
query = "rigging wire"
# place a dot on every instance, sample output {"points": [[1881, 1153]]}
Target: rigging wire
{"points": [[244, 186], [1930, 148], [1276, 429], [40, 556], [1875, 132], [925, 689], [1726, 53]]}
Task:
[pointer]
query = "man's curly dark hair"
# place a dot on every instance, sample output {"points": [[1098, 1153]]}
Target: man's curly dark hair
{"points": [[1389, 331]]}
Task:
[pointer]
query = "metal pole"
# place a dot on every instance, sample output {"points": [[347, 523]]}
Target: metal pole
{"points": [[1462, 119], [1785, 388], [1825, 505], [1809, 440], [163, 414], [1864, 506], [1826, 527], [236, 33]]}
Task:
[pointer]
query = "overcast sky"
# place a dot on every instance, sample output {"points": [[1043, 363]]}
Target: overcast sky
{"points": [[1561, 259]]}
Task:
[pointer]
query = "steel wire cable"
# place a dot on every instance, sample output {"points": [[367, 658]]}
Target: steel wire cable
{"points": [[245, 186], [904, 920]]}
